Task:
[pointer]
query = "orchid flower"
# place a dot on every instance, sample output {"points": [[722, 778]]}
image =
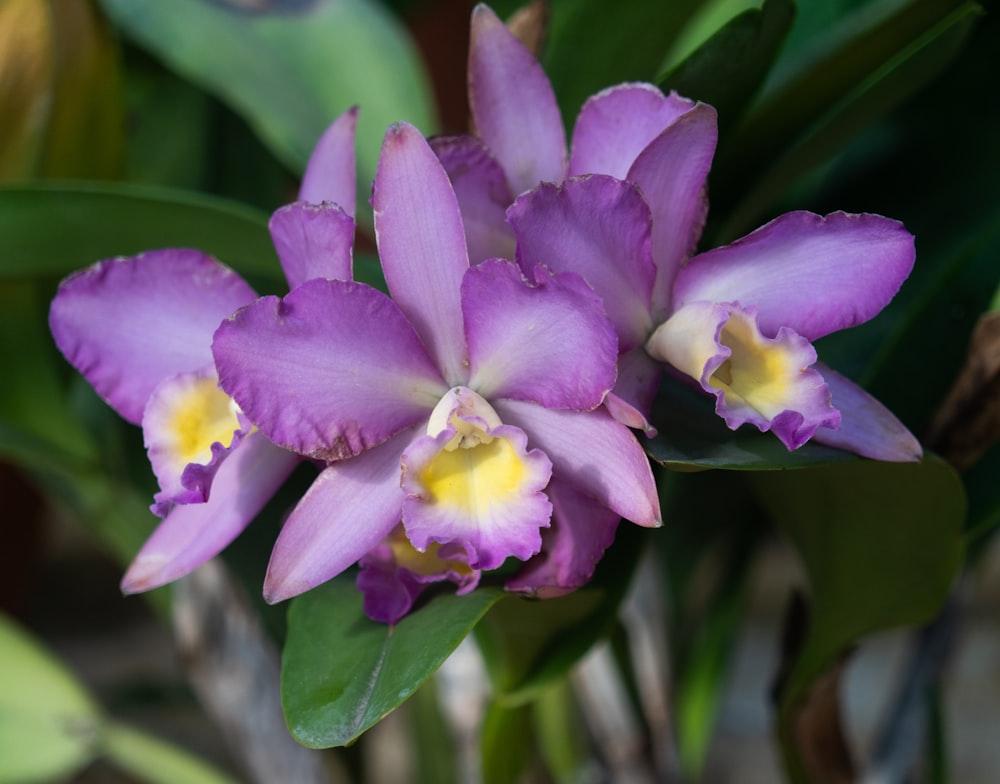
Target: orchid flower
{"points": [[466, 407], [521, 141], [140, 329], [738, 321]]}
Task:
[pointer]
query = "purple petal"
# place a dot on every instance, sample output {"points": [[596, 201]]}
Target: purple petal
{"points": [[599, 228], [631, 401], [332, 369], [811, 273], [474, 484], [394, 574], [616, 124], [867, 427], [513, 106], [548, 342], [330, 174], [421, 242], [767, 382], [580, 533], [597, 455], [672, 171], [193, 533], [483, 196], [350, 507], [313, 241], [128, 323], [189, 427]]}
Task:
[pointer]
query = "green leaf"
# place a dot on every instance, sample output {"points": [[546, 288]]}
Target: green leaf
{"points": [[508, 743], [99, 221], [341, 673], [881, 544], [528, 644], [35, 425], [845, 87], [619, 46], [154, 761], [727, 70], [49, 726], [695, 438], [291, 72]]}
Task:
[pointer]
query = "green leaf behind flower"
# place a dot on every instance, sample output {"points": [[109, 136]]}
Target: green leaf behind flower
{"points": [[881, 544], [341, 672], [98, 221], [529, 644], [291, 71]]}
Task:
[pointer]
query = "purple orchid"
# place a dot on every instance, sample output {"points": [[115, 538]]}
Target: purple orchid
{"points": [[465, 408], [521, 141], [140, 329], [626, 210], [738, 320]]}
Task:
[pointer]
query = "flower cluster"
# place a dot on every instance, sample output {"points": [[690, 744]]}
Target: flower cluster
{"points": [[487, 407]]}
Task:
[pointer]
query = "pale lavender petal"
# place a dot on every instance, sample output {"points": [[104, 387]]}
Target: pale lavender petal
{"points": [[599, 228], [672, 172], [128, 323], [330, 174], [486, 496], [596, 454], [616, 124], [394, 574], [764, 381], [350, 507], [483, 196], [547, 341], [189, 427], [421, 243], [811, 273], [313, 241], [867, 427], [193, 533], [513, 106], [332, 369], [581, 531]]}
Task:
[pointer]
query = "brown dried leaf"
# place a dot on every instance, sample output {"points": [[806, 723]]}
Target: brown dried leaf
{"points": [[530, 23], [968, 421], [819, 734]]}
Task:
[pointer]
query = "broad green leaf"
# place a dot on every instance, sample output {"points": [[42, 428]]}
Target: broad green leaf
{"points": [[727, 70], [528, 644], [881, 544], [619, 46], [291, 71], [844, 89], [49, 726], [341, 673], [104, 220], [154, 761], [693, 437]]}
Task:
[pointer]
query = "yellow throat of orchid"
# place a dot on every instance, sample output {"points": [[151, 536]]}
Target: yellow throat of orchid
{"points": [[201, 415], [475, 470]]}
